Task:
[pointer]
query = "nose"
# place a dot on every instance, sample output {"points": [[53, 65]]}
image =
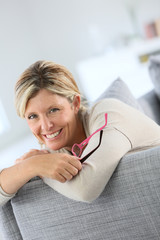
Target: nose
{"points": [[46, 124]]}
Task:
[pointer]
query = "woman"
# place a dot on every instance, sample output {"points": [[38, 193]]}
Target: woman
{"points": [[48, 98]]}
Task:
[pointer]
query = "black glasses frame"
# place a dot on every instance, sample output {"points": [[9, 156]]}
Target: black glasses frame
{"points": [[90, 153]]}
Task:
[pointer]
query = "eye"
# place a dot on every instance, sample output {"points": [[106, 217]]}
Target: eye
{"points": [[53, 110], [32, 116]]}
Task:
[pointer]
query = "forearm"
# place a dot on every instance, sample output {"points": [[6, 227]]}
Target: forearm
{"points": [[97, 169], [14, 177]]}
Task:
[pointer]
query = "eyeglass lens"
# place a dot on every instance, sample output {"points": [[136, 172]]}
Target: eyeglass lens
{"points": [[77, 150]]}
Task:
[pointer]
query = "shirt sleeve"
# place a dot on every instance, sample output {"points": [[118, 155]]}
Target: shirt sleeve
{"points": [[4, 197], [126, 130], [98, 168]]}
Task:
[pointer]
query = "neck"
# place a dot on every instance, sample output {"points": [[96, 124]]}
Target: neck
{"points": [[79, 136]]}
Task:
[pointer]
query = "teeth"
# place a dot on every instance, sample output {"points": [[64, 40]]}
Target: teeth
{"points": [[53, 135]]}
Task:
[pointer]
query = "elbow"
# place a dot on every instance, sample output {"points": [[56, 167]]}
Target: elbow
{"points": [[86, 196], [87, 199], [3, 202]]}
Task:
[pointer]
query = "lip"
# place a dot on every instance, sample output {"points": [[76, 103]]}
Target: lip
{"points": [[51, 139]]}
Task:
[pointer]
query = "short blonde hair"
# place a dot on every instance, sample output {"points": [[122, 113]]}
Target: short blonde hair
{"points": [[45, 75]]}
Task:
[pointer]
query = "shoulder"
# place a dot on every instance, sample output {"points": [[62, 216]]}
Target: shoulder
{"points": [[111, 105], [107, 105], [96, 114], [117, 111]]}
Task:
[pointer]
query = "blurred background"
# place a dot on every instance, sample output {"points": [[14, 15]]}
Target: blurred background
{"points": [[97, 40]]}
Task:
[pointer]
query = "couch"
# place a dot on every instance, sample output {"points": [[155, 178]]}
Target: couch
{"points": [[128, 208]]}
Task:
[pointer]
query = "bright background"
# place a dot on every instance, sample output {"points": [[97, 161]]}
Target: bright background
{"points": [[98, 40]]}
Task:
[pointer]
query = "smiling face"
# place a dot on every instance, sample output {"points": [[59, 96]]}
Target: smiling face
{"points": [[54, 120]]}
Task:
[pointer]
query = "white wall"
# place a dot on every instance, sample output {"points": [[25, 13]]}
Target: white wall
{"points": [[65, 31], [9, 154]]}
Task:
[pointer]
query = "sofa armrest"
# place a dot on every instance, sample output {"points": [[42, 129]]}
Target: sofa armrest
{"points": [[128, 208]]}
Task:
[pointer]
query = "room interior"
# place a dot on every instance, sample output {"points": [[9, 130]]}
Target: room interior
{"points": [[97, 40]]}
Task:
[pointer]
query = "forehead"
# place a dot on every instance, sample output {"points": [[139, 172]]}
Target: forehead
{"points": [[44, 99]]}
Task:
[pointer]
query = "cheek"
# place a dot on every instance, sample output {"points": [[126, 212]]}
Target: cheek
{"points": [[33, 127], [62, 119], [67, 120]]}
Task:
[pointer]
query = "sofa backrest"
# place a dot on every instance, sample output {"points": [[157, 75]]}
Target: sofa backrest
{"points": [[151, 105], [127, 209]]}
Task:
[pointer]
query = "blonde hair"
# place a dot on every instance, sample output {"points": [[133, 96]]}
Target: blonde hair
{"points": [[45, 75]]}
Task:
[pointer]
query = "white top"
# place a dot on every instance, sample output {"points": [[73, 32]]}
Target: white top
{"points": [[127, 130]]}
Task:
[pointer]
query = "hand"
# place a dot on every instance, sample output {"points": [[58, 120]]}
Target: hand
{"points": [[14, 177], [29, 154], [58, 166]]}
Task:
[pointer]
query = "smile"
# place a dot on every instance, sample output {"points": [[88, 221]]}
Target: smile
{"points": [[53, 135]]}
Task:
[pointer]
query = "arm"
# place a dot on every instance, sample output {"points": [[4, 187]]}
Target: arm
{"points": [[57, 166], [97, 169], [14, 177], [127, 129]]}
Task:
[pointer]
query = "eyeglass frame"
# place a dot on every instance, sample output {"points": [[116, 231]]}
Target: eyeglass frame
{"points": [[90, 153], [85, 142]]}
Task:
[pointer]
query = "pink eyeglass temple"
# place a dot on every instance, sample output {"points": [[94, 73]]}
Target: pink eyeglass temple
{"points": [[82, 144]]}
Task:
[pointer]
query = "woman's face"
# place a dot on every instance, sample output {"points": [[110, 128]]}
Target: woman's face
{"points": [[52, 119]]}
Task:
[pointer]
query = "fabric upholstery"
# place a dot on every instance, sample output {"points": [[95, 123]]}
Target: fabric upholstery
{"points": [[154, 71], [151, 105], [119, 90], [127, 209], [8, 224]]}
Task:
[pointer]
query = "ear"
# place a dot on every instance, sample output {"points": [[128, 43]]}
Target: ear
{"points": [[76, 103]]}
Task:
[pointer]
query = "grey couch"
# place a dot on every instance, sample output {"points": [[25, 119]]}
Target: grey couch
{"points": [[128, 208]]}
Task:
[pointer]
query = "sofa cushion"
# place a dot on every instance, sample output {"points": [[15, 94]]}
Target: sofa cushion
{"points": [[8, 224], [119, 90], [151, 105], [127, 209], [154, 71]]}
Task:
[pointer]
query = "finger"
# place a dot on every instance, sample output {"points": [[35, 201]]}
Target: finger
{"points": [[60, 178], [17, 160], [44, 151], [67, 175], [75, 163], [72, 170], [64, 171], [34, 150]]}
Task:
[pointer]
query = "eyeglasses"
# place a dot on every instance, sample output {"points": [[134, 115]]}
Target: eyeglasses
{"points": [[77, 148]]}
